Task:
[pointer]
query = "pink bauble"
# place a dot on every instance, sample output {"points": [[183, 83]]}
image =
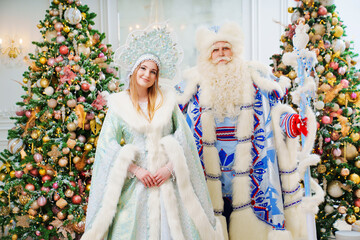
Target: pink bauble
{"points": [[85, 87], [317, 125], [101, 55], [51, 62], [327, 139], [45, 189], [29, 166], [30, 187], [344, 172], [58, 26], [66, 91], [28, 113], [55, 185], [46, 178], [60, 39], [78, 26], [57, 69], [63, 50], [322, 10], [50, 227], [339, 111], [327, 44], [38, 157], [81, 99], [90, 116], [59, 59], [345, 83], [109, 70], [333, 114], [82, 138], [38, 233], [87, 126], [77, 58], [76, 199], [82, 71], [71, 103], [342, 70], [52, 103], [89, 27], [57, 115], [34, 172], [20, 113], [72, 183], [103, 47], [77, 148], [337, 152], [334, 65], [325, 120], [19, 174], [320, 151], [357, 202], [353, 95]]}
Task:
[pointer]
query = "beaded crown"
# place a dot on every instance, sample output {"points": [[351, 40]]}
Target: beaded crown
{"points": [[154, 43]]}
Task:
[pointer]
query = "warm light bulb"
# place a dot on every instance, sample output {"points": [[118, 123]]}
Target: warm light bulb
{"points": [[137, 26], [20, 41]]}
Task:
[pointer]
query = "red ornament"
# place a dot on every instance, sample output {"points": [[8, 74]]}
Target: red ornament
{"points": [[28, 113], [19, 174], [20, 113], [76, 199], [81, 99], [41, 201], [85, 87], [357, 202], [34, 172], [334, 65], [72, 183], [50, 227], [30, 187], [59, 59], [45, 189], [46, 178], [55, 185], [64, 50], [57, 69], [322, 10]]}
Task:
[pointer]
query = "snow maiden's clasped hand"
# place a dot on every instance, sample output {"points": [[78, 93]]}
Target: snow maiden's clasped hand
{"points": [[148, 179]]}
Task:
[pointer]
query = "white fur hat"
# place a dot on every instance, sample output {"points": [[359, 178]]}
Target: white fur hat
{"points": [[229, 32]]}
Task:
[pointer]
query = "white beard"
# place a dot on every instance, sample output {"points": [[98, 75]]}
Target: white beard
{"points": [[225, 86]]}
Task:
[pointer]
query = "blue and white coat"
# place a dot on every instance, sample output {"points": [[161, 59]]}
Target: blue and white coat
{"points": [[248, 157]]}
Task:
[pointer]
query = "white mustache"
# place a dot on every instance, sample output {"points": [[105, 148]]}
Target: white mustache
{"points": [[228, 59]]}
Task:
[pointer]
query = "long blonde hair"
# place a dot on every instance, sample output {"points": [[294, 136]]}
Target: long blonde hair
{"points": [[153, 92]]}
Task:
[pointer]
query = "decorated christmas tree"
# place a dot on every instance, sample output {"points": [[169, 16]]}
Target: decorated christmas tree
{"points": [[336, 105], [46, 170]]}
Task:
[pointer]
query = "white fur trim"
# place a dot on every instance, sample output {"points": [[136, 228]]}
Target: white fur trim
{"points": [[196, 212], [285, 83], [215, 192], [279, 235], [310, 160], [229, 32], [121, 104], [309, 86], [222, 221], [245, 225], [290, 58], [310, 204], [263, 82], [116, 180], [192, 78]]}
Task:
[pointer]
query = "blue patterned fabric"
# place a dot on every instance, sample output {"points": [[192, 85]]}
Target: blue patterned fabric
{"points": [[266, 194]]}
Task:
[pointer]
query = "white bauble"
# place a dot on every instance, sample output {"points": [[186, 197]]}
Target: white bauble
{"points": [[72, 16], [334, 189], [295, 16], [337, 127], [327, 58], [338, 161], [92, 88], [338, 45], [328, 209], [320, 69], [15, 145], [49, 35], [335, 107], [319, 105], [49, 91]]}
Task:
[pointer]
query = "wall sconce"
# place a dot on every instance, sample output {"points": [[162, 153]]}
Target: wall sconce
{"points": [[12, 50]]}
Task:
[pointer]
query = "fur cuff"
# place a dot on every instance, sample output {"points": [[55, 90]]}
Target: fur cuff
{"points": [[117, 176], [192, 78]]}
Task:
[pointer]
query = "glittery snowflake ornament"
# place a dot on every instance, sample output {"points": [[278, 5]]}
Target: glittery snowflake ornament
{"points": [[154, 43]]}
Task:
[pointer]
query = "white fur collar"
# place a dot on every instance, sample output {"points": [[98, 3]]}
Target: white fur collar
{"points": [[260, 75], [120, 103]]}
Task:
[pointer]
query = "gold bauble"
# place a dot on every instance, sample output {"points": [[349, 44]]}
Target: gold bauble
{"points": [[23, 199], [351, 152], [45, 217], [355, 137], [356, 209], [321, 168], [88, 147], [83, 15], [319, 58], [56, 1], [71, 126], [290, 10], [34, 135], [44, 82], [357, 164], [350, 219], [338, 31], [12, 174], [292, 74], [42, 60], [122, 142], [61, 215], [335, 14], [88, 186], [66, 29], [2, 176], [14, 237], [91, 140], [355, 178], [42, 172], [88, 44], [76, 159], [46, 138], [63, 161], [91, 160], [25, 80], [101, 115], [283, 38], [334, 21], [39, 26], [69, 193]]}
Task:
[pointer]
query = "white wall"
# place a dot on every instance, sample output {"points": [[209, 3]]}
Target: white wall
{"points": [[262, 34]]}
